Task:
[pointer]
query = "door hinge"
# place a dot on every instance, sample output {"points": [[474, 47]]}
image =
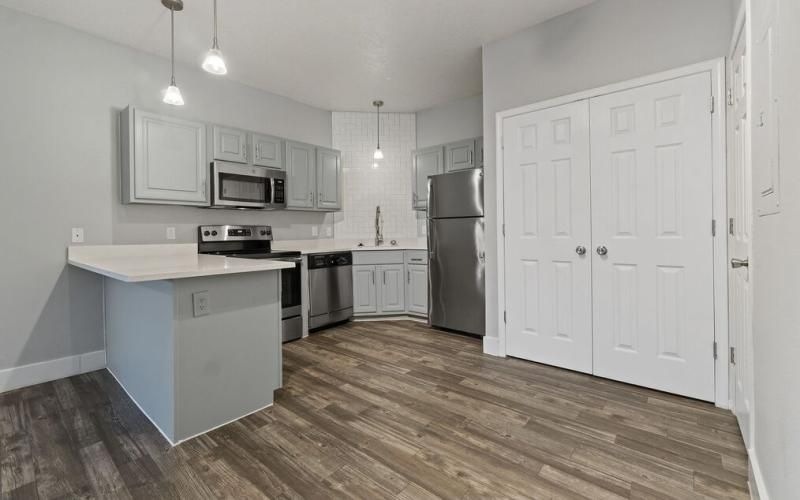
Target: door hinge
{"points": [[715, 349], [505, 317], [733, 355], [730, 97], [730, 226], [713, 227], [711, 105]]}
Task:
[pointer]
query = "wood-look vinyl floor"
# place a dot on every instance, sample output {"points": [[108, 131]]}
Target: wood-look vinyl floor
{"points": [[382, 410]]}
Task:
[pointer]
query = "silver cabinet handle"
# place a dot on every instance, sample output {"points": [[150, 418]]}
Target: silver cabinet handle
{"points": [[581, 250], [258, 150], [470, 157], [737, 263], [384, 278], [409, 276], [601, 250], [373, 276]]}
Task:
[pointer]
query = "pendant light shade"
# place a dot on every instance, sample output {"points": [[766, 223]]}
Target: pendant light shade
{"points": [[214, 62], [173, 95], [378, 154]]}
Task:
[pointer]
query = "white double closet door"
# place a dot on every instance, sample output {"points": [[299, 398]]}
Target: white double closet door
{"points": [[608, 245]]}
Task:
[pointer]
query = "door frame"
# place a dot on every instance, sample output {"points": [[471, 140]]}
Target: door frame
{"points": [[496, 346]]}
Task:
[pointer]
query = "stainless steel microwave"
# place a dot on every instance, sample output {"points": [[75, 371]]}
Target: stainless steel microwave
{"points": [[246, 186]]}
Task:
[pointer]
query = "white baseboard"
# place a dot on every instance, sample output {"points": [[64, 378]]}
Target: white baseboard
{"points": [[491, 346], [402, 317], [758, 488], [54, 369]]}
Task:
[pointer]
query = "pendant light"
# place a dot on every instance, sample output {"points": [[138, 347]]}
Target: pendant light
{"points": [[214, 63], [378, 155], [173, 93]]}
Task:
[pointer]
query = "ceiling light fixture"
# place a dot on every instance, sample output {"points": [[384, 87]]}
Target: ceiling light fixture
{"points": [[378, 155], [173, 94], [214, 63]]}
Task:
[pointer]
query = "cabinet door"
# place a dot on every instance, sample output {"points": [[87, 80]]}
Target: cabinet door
{"points": [[167, 164], [427, 162], [460, 155], [417, 289], [267, 151], [230, 144], [300, 175], [392, 288], [365, 296], [329, 179]]}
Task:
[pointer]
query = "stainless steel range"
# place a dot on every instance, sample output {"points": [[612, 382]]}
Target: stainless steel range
{"points": [[255, 242]]}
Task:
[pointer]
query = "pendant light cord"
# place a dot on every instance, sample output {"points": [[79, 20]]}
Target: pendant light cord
{"points": [[172, 40], [215, 45]]}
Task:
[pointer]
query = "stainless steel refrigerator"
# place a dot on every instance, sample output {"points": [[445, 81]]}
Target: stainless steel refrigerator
{"points": [[456, 292]]}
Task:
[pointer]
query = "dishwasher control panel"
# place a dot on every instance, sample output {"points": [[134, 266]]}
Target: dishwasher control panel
{"points": [[322, 260]]}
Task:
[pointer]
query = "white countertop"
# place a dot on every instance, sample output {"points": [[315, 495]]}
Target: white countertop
{"points": [[331, 245], [137, 263]]}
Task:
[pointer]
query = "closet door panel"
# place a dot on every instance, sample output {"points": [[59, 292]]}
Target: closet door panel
{"points": [[547, 216], [652, 255]]}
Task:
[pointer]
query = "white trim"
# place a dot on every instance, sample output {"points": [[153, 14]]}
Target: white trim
{"points": [[491, 346], [716, 67], [54, 369], [758, 487], [400, 317]]}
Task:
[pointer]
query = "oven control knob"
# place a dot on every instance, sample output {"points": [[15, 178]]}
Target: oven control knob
{"points": [[263, 232], [206, 233], [213, 233]]}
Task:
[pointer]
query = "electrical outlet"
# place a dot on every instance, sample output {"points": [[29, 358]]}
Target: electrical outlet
{"points": [[201, 303], [314, 231], [77, 235], [170, 233]]}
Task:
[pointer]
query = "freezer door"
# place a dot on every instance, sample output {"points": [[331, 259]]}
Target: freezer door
{"points": [[456, 194], [456, 274]]}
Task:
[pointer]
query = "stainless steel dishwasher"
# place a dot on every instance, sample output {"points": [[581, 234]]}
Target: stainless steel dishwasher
{"points": [[330, 288]]}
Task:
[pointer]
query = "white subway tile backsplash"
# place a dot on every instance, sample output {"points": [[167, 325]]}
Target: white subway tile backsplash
{"points": [[365, 187]]}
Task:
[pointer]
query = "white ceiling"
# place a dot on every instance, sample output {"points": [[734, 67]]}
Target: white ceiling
{"points": [[333, 54]]}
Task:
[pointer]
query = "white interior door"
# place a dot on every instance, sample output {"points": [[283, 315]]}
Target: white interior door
{"points": [[653, 291], [740, 209], [547, 217]]}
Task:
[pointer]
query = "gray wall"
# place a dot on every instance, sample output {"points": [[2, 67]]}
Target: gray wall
{"points": [[60, 94], [607, 41], [453, 121], [776, 269]]}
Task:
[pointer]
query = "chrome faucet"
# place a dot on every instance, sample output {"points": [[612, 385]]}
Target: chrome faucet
{"points": [[378, 227]]}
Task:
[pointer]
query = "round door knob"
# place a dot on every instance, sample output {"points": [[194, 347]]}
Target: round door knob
{"points": [[601, 250], [581, 250]]}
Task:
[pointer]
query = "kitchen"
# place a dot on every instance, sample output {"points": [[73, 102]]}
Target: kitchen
{"points": [[320, 265]]}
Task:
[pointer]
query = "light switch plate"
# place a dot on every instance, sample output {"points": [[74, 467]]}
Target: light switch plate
{"points": [[328, 231], [77, 235], [201, 303], [170, 233], [314, 231]]}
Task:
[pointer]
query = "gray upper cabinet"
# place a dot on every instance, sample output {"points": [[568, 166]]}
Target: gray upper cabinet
{"points": [[229, 144], [427, 162], [460, 155], [300, 175], [267, 151], [163, 159], [329, 179]]}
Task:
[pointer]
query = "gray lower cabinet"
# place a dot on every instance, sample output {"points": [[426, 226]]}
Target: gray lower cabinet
{"points": [[417, 289], [427, 162], [300, 175], [267, 151], [329, 179], [229, 144], [163, 159], [390, 282], [392, 297], [460, 155], [365, 296]]}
